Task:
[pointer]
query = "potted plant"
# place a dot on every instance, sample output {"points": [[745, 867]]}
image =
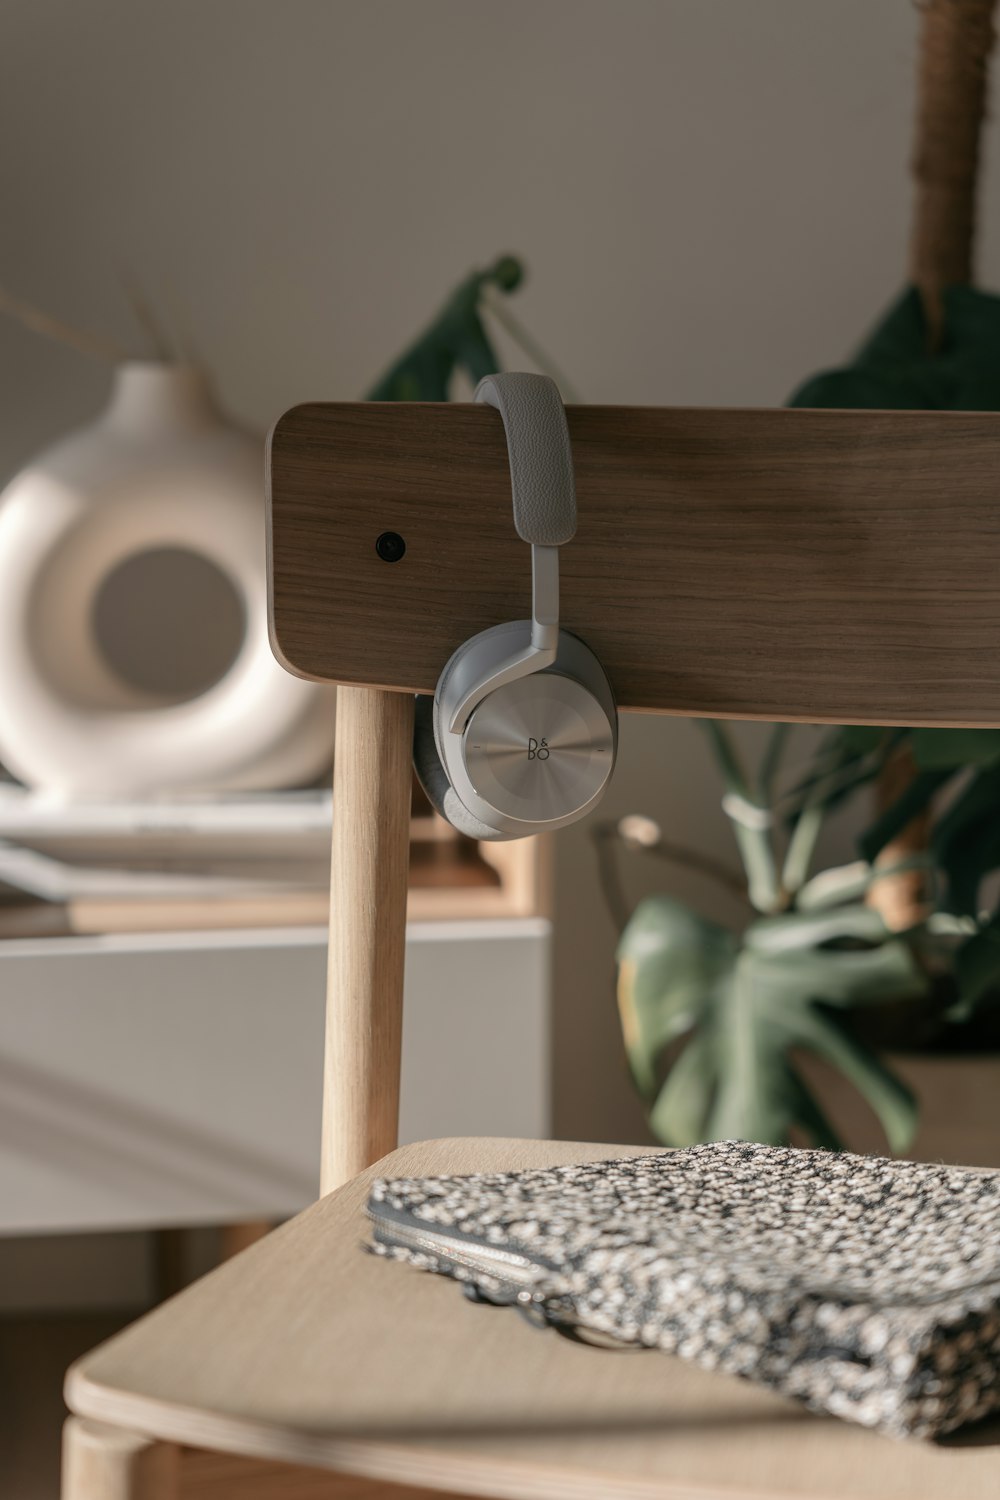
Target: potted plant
{"points": [[720, 1024]]}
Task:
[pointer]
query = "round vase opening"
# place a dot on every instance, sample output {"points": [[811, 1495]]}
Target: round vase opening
{"points": [[168, 622]]}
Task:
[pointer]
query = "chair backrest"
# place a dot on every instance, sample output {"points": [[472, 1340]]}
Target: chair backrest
{"points": [[817, 565]]}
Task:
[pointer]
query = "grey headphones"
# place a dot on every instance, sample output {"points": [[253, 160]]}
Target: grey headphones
{"points": [[521, 734]]}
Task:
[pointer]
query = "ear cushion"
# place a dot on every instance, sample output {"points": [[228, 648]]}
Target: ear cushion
{"points": [[434, 779]]}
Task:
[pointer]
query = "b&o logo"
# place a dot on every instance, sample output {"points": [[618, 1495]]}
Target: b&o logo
{"points": [[538, 749]]}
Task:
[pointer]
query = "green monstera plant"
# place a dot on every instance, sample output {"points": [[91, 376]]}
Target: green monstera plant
{"points": [[458, 338], [747, 1002], [716, 1020]]}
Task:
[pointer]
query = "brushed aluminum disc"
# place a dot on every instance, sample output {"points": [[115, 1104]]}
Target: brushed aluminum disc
{"points": [[539, 749]]}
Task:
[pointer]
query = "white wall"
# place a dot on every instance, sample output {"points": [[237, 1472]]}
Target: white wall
{"points": [[711, 195]]}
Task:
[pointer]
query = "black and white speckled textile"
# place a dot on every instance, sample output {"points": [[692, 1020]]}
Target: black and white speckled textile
{"points": [[864, 1287]]}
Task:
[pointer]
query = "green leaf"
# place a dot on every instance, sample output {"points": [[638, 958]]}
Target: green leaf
{"points": [[899, 367], [751, 820], [888, 1096], [952, 749], [977, 967], [801, 847], [812, 1118], [752, 1099], [850, 758], [803, 930], [899, 337], [771, 760], [669, 958], [848, 883], [740, 1011], [972, 328], [965, 840], [455, 339], [835, 886], [727, 756], [863, 739], [854, 390], [685, 1098], [848, 978], [979, 801]]}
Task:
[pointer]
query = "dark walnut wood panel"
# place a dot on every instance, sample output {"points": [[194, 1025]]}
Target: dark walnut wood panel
{"points": [[818, 565]]}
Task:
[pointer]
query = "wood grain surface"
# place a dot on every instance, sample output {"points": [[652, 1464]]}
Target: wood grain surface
{"points": [[368, 873], [306, 1350], [818, 565]]}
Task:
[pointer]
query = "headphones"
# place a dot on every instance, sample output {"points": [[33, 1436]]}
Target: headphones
{"points": [[522, 732]]}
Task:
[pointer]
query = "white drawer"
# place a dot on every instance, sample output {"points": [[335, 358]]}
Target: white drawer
{"points": [[175, 1079]]}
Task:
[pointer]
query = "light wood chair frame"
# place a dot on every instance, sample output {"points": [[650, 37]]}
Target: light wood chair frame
{"points": [[826, 566]]}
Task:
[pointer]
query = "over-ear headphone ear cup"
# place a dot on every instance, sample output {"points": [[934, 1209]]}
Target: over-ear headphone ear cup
{"points": [[434, 779]]}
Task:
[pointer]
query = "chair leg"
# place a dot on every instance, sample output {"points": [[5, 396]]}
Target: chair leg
{"points": [[372, 783], [109, 1463]]}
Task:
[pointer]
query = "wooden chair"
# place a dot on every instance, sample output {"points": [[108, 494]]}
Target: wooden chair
{"points": [[774, 564]]}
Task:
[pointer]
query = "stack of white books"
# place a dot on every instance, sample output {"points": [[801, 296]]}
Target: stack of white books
{"points": [[234, 860], [212, 861]]}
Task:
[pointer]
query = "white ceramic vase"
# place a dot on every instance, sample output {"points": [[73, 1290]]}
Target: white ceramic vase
{"points": [[132, 562]]}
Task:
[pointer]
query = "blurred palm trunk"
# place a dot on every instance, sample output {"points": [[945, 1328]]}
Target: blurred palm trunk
{"points": [[955, 44], [956, 40]]}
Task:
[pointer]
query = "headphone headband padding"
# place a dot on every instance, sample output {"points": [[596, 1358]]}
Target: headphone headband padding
{"points": [[540, 455]]}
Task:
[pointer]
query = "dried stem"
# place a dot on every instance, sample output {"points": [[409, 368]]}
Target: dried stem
{"points": [[43, 323], [147, 319], [607, 839], [517, 331]]}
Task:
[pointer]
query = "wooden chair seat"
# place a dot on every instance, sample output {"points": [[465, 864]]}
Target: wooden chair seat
{"points": [[304, 1349]]}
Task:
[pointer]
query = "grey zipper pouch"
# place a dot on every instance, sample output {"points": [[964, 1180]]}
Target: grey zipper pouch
{"points": [[861, 1286]]}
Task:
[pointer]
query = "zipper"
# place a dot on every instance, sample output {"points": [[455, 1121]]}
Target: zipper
{"points": [[520, 1276], [517, 1274]]}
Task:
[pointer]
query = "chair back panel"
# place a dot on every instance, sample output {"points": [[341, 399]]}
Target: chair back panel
{"points": [[818, 565]]}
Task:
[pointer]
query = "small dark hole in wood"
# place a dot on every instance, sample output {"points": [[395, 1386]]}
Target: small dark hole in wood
{"points": [[390, 546]]}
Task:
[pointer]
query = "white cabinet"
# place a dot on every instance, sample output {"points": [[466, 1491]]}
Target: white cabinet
{"points": [[175, 1079]]}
